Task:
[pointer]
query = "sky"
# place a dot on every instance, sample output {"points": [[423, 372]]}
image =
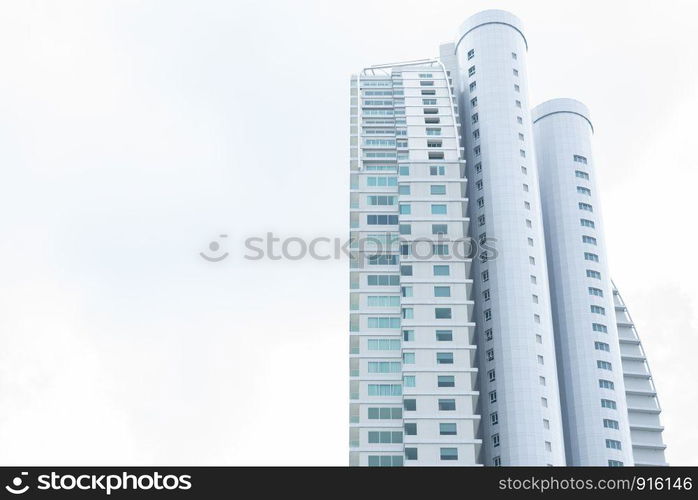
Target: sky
{"points": [[134, 133]]}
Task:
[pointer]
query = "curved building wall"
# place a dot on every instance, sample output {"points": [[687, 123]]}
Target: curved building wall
{"points": [[518, 375], [591, 374]]}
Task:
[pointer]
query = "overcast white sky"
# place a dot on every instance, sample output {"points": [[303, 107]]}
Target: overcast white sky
{"points": [[132, 133]]}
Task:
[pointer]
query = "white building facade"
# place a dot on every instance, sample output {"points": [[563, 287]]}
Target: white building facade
{"points": [[474, 339]]}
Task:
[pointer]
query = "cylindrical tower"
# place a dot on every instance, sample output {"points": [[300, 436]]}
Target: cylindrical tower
{"points": [[518, 381], [591, 375]]}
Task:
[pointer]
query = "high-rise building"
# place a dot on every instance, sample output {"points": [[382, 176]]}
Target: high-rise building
{"points": [[458, 313]]}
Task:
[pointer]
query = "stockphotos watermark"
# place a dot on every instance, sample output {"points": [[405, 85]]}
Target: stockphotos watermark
{"points": [[99, 483], [370, 249]]}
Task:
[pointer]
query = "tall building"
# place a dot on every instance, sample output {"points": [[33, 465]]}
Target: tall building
{"points": [[484, 328]]}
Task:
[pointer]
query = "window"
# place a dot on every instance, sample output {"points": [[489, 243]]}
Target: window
{"points": [[444, 358], [407, 313], [406, 291], [409, 404], [602, 346], [488, 314], [480, 202], [497, 461], [406, 270], [606, 384], [408, 358], [539, 338], [494, 418], [615, 463], [593, 274], [381, 220], [384, 461], [381, 181], [595, 291], [534, 280], [442, 312], [584, 191], [382, 260], [383, 301], [430, 120], [581, 175], [490, 354], [544, 402], [481, 220], [435, 156], [444, 335], [383, 344], [541, 381], [439, 229], [548, 446], [476, 133], [613, 444], [438, 209], [428, 92], [598, 327], [519, 120], [516, 72], [474, 118], [587, 223], [604, 365], [541, 360], [409, 380], [437, 170], [438, 189], [591, 256], [546, 423], [609, 423], [384, 413], [442, 291], [426, 83], [404, 189], [580, 159], [473, 86], [385, 437], [513, 55], [448, 453], [410, 453], [441, 270], [471, 54], [433, 143], [491, 375], [383, 280], [589, 239], [517, 88], [384, 390], [408, 335], [478, 168], [473, 102], [522, 153], [488, 334], [405, 229], [410, 429], [446, 381], [597, 310], [384, 322], [447, 429], [532, 260], [486, 295], [447, 404], [471, 70], [476, 150], [527, 205], [429, 102], [493, 396], [478, 185], [433, 131], [485, 275], [518, 103], [495, 440]]}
